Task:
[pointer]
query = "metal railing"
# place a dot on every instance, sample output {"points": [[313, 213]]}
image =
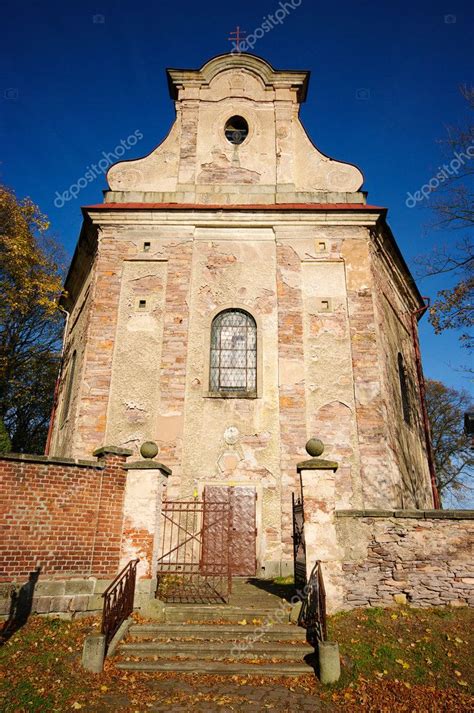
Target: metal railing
{"points": [[118, 600], [299, 546], [313, 611]]}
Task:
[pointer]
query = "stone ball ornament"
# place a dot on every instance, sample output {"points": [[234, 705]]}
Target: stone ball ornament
{"points": [[315, 447], [149, 449]]}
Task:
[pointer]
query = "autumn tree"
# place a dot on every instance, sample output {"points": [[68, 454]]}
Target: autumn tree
{"points": [[5, 443], [453, 203], [30, 322], [452, 448]]}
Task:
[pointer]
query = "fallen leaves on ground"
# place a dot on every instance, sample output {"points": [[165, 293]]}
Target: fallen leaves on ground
{"points": [[420, 661]]}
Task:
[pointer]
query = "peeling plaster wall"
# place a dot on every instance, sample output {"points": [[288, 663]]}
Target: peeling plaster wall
{"points": [[134, 402], [322, 362], [330, 394], [76, 341], [376, 474], [233, 268], [408, 459]]}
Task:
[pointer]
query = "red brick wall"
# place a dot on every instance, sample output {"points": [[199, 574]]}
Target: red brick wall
{"points": [[66, 517]]}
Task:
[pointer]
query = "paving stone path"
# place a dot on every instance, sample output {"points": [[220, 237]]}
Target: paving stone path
{"points": [[178, 696]]}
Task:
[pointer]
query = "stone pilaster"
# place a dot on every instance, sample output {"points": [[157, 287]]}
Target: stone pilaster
{"points": [[172, 384], [292, 401]]}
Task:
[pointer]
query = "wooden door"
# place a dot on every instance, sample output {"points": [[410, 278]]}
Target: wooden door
{"points": [[244, 532]]}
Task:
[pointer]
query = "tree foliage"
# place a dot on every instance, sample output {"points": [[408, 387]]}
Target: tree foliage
{"points": [[453, 452], [30, 322], [454, 207], [5, 443]]}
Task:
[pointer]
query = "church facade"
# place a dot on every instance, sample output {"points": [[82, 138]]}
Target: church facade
{"points": [[235, 295]]}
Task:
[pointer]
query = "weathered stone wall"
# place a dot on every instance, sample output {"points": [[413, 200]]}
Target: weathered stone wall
{"points": [[424, 556]]}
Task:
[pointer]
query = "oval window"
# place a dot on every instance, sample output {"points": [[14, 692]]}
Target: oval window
{"points": [[236, 130]]}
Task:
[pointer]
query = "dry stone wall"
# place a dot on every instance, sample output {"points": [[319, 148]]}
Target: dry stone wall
{"points": [[422, 556]]}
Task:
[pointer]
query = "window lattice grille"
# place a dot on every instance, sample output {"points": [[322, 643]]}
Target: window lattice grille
{"points": [[233, 353]]}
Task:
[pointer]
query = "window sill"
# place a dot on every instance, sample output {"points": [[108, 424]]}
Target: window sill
{"points": [[230, 395]]}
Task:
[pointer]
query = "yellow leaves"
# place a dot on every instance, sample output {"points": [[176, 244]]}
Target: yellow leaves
{"points": [[29, 275], [402, 663], [243, 622], [394, 616], [76, 706], [462, 682]]}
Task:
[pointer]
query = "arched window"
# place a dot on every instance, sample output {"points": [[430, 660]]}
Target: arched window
{"points": [[405, 396], [69, 385], [233, 364]]}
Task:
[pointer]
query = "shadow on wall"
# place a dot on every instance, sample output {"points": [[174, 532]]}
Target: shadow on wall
{"points": [[20, 607], [411, 491]]}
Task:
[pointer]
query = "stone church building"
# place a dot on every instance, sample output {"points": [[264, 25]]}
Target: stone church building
{"points": [[235, 295]]}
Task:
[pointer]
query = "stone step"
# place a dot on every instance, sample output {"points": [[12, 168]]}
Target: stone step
{"points": [[221, 668], [191, 612], [256, 599], [215, 650], [208, 632]]}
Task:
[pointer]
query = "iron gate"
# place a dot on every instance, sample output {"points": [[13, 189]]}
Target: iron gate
{"points": [[195, 561], [299, 547]]}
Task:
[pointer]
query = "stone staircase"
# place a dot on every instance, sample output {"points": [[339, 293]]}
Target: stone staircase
{"points": [[249, 636]]}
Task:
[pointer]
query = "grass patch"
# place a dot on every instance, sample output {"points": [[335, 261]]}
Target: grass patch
{"points": [[284, 580], [416, 646]]}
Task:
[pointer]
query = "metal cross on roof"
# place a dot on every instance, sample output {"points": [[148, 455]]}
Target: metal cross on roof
{"points": [[239, 37]]}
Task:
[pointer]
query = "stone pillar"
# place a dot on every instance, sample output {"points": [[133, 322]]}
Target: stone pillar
{"points": [[146, 480], [319, 500]]}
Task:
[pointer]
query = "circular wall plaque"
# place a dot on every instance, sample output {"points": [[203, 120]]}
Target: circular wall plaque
{"points": [[231, 435]]}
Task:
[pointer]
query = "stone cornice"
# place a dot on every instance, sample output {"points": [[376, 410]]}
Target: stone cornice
{"points": [[410, 514], [256, 65], [149, 465], [51, 460], [317, 464], [246, 216]]}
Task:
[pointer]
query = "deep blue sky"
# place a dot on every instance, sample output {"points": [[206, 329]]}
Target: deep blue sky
{"points": [[384, 87]]}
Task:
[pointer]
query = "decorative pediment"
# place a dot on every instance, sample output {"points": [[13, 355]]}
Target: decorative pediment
{"points": [[237, 123]]}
